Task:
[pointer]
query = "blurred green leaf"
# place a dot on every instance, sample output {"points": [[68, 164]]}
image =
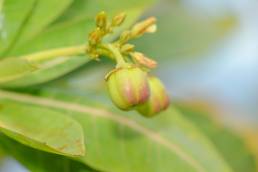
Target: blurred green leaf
{"points": [[46, 71], [38, 161], [231, 145], [42, 14], [182, 33], [12, 17], [119, 141], [42, 129]]}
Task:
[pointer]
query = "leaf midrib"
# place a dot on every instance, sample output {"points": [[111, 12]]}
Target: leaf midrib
{"points": [[57, 104]]}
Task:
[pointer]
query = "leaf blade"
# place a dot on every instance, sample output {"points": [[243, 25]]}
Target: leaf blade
{"points": [[12, 22], [39, 128], [39, 19]]}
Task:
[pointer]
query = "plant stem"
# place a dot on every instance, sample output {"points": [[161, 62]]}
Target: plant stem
{"points": [[118, 56], [54, 53]]}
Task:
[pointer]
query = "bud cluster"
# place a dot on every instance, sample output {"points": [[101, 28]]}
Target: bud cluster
{"points": [[129, 85], [103, 27]]}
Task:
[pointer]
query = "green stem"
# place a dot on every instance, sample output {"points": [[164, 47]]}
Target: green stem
{"points": [[118, 56], [54, 53]]}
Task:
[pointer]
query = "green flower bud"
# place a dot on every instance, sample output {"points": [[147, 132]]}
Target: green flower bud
{"points": [[118, 19], [158, 100], [128, 87], [101, 19]]}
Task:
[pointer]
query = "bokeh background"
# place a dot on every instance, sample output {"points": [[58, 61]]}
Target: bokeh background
{"points": [[208, 58]]}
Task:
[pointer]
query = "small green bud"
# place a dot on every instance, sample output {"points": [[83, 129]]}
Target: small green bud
{"points": [[101, 20], [118, 19], [158, 100], [128, 87], [124, 37]]}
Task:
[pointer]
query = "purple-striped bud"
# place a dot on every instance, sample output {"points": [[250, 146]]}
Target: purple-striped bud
{"points": [[158, 100], [128, 87]]}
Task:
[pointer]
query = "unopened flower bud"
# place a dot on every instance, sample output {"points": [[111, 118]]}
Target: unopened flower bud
{"points": [[128, 87], [101, 20], [124, 37], [118, 19], [143, 60], [147, 25], [158, 100], [152, 29]]}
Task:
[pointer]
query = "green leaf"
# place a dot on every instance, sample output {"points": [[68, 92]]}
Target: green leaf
{"points": [[47, 70], [119, 141], [13, 68], [42, 129], [12, 18], [230, 144], [39, 161], [43, 13]]}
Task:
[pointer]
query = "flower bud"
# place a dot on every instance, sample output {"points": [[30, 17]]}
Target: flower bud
{"points": [[128, 87], [124, 37], [143, 60], [147, 25], [158, 100], [118, 19], [101, 19]]}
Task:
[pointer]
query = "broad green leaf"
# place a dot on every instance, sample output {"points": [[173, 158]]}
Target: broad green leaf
{"points": [[39, 161], [119, 141], [44, 12], [12, 18], [42, 129], [231, 145], [13, 68]]}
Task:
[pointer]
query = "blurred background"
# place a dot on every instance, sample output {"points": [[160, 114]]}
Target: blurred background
{"points": [[208, 58]]}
